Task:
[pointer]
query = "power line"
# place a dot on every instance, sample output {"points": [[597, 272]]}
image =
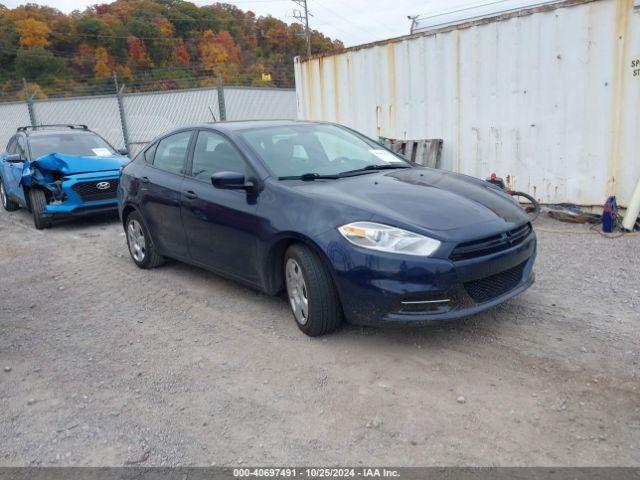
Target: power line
{"points": [[345, 19]]}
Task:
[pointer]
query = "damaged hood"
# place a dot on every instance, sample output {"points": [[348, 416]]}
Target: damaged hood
{"points": [[70, 164]]}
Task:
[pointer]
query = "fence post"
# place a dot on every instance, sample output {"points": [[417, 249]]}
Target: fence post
{"points": [[221, 105], [123, 118], [29, 99]]}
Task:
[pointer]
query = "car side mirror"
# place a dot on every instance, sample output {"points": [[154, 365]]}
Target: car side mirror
{"points": [[14, 158], [231, 181], [123, 151]]}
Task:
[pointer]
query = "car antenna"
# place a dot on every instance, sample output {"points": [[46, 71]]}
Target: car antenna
{"points": [[214, 117]]}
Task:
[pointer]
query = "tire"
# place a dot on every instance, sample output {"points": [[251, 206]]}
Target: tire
{"points": [[7, 204], [534, 210], [141, 248], [307, 279], [38, 201]]}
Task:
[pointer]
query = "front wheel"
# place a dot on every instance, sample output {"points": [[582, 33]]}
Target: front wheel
{"points": [[38, 203], [7, 204], [312, 296]]}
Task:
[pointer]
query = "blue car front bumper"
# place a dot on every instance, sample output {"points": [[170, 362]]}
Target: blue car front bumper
{"points": [[86, 193], [377, 288]]}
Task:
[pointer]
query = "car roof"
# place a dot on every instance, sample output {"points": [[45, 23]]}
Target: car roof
{"points": [[54, 131], [238, 125]]}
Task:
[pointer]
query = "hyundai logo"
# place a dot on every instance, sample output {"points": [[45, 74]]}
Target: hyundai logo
{"points": [[102, 185]]}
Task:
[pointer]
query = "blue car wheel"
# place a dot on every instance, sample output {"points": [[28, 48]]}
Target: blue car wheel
{"points": [[38, 203], [9, 205]]}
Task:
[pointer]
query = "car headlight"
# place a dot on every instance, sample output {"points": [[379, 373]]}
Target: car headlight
{"points": [[388, 239]]}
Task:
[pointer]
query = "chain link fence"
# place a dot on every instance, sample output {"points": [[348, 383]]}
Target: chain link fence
{"points": [[131, 120]]}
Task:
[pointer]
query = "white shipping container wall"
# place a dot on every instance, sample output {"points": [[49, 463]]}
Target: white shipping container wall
{"points": [[549, 97]]}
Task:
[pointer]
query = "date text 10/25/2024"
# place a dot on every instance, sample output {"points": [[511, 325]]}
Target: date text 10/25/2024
{"points": [[316, 472]]}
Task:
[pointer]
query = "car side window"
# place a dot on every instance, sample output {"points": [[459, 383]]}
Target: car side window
{"points": [[149, 153], [21, 147], [171, 152], [11, 146], [213, 153]]}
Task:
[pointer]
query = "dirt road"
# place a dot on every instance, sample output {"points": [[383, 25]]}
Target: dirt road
{"points": [[105, 364]]}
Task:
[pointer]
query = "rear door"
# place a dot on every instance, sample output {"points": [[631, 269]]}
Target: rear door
{"points": [[161, 183], [221, 225]]}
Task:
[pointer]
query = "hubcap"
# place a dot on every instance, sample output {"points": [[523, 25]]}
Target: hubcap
{"points": [[136, 241], [2, 194], [297, 291]]}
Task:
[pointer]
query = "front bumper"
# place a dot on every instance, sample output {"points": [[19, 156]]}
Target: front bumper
{"points": [[79, 202], [390, 289]]}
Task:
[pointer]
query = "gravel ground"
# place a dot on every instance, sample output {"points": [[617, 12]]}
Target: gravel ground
{"points": [[105, 364]]}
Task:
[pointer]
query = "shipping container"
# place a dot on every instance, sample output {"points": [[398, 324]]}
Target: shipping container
{"points": [[547, 96]]}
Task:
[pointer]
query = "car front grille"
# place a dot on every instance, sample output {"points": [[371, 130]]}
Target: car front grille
{"points": [[488, 288], [90, 191], [493, 244]]}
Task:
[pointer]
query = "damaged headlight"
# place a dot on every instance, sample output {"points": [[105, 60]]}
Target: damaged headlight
{"points": [[385, 238]]}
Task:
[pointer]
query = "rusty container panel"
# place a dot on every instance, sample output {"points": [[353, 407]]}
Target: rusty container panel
{"points": [[548, 97]]}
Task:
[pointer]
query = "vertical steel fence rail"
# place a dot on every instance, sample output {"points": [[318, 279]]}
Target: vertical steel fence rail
{"points": [[29, 99], [123, 117]]}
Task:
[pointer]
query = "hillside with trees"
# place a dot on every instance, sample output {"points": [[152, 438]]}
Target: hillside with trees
{"points": [[149, 44]]}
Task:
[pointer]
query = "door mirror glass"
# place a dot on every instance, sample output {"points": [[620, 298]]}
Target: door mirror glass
{"points": [[14, 158], [231, 181]]}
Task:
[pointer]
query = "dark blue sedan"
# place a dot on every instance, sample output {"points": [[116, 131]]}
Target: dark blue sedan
{"points": [[349, 229]]}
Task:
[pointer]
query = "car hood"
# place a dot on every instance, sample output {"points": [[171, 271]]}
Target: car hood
{"points": [[70, 164], [425, 199]]}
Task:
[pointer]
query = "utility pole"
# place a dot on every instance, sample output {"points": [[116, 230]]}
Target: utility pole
{"points": [[304, 17]]}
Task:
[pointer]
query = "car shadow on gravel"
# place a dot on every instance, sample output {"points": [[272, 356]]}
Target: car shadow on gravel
{"points": [[22, 216], [89, 221], [479, 325]]}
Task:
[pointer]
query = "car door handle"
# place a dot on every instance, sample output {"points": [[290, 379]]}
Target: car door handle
{"points": [[144, 179], [190, 194]]}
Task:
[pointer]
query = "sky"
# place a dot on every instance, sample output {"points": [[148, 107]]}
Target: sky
{"points": [[353, 21]]}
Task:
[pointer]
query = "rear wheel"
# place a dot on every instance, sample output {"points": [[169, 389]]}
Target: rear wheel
{"points": [[7, 204], [311, 293], [143, 251], [38, 202]]}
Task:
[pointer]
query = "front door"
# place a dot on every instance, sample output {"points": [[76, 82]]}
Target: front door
{"points": [[221, 225]]}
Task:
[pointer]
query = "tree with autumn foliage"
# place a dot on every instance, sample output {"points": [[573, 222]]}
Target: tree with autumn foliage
{"points": [[33, 33], [101, 68], [149, 44]]}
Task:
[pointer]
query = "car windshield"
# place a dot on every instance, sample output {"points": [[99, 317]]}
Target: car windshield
{"points": [[317, 150], [81, 144]]}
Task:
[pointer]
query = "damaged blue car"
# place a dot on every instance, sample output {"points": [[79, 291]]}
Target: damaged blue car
{"points": [[59, 171]]}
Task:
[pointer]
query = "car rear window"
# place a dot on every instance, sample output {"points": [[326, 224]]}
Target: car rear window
{"points": [[80, 144]]}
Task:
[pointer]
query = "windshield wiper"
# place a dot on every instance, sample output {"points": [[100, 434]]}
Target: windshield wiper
{"points": [[309, 177], [386, 166]]}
